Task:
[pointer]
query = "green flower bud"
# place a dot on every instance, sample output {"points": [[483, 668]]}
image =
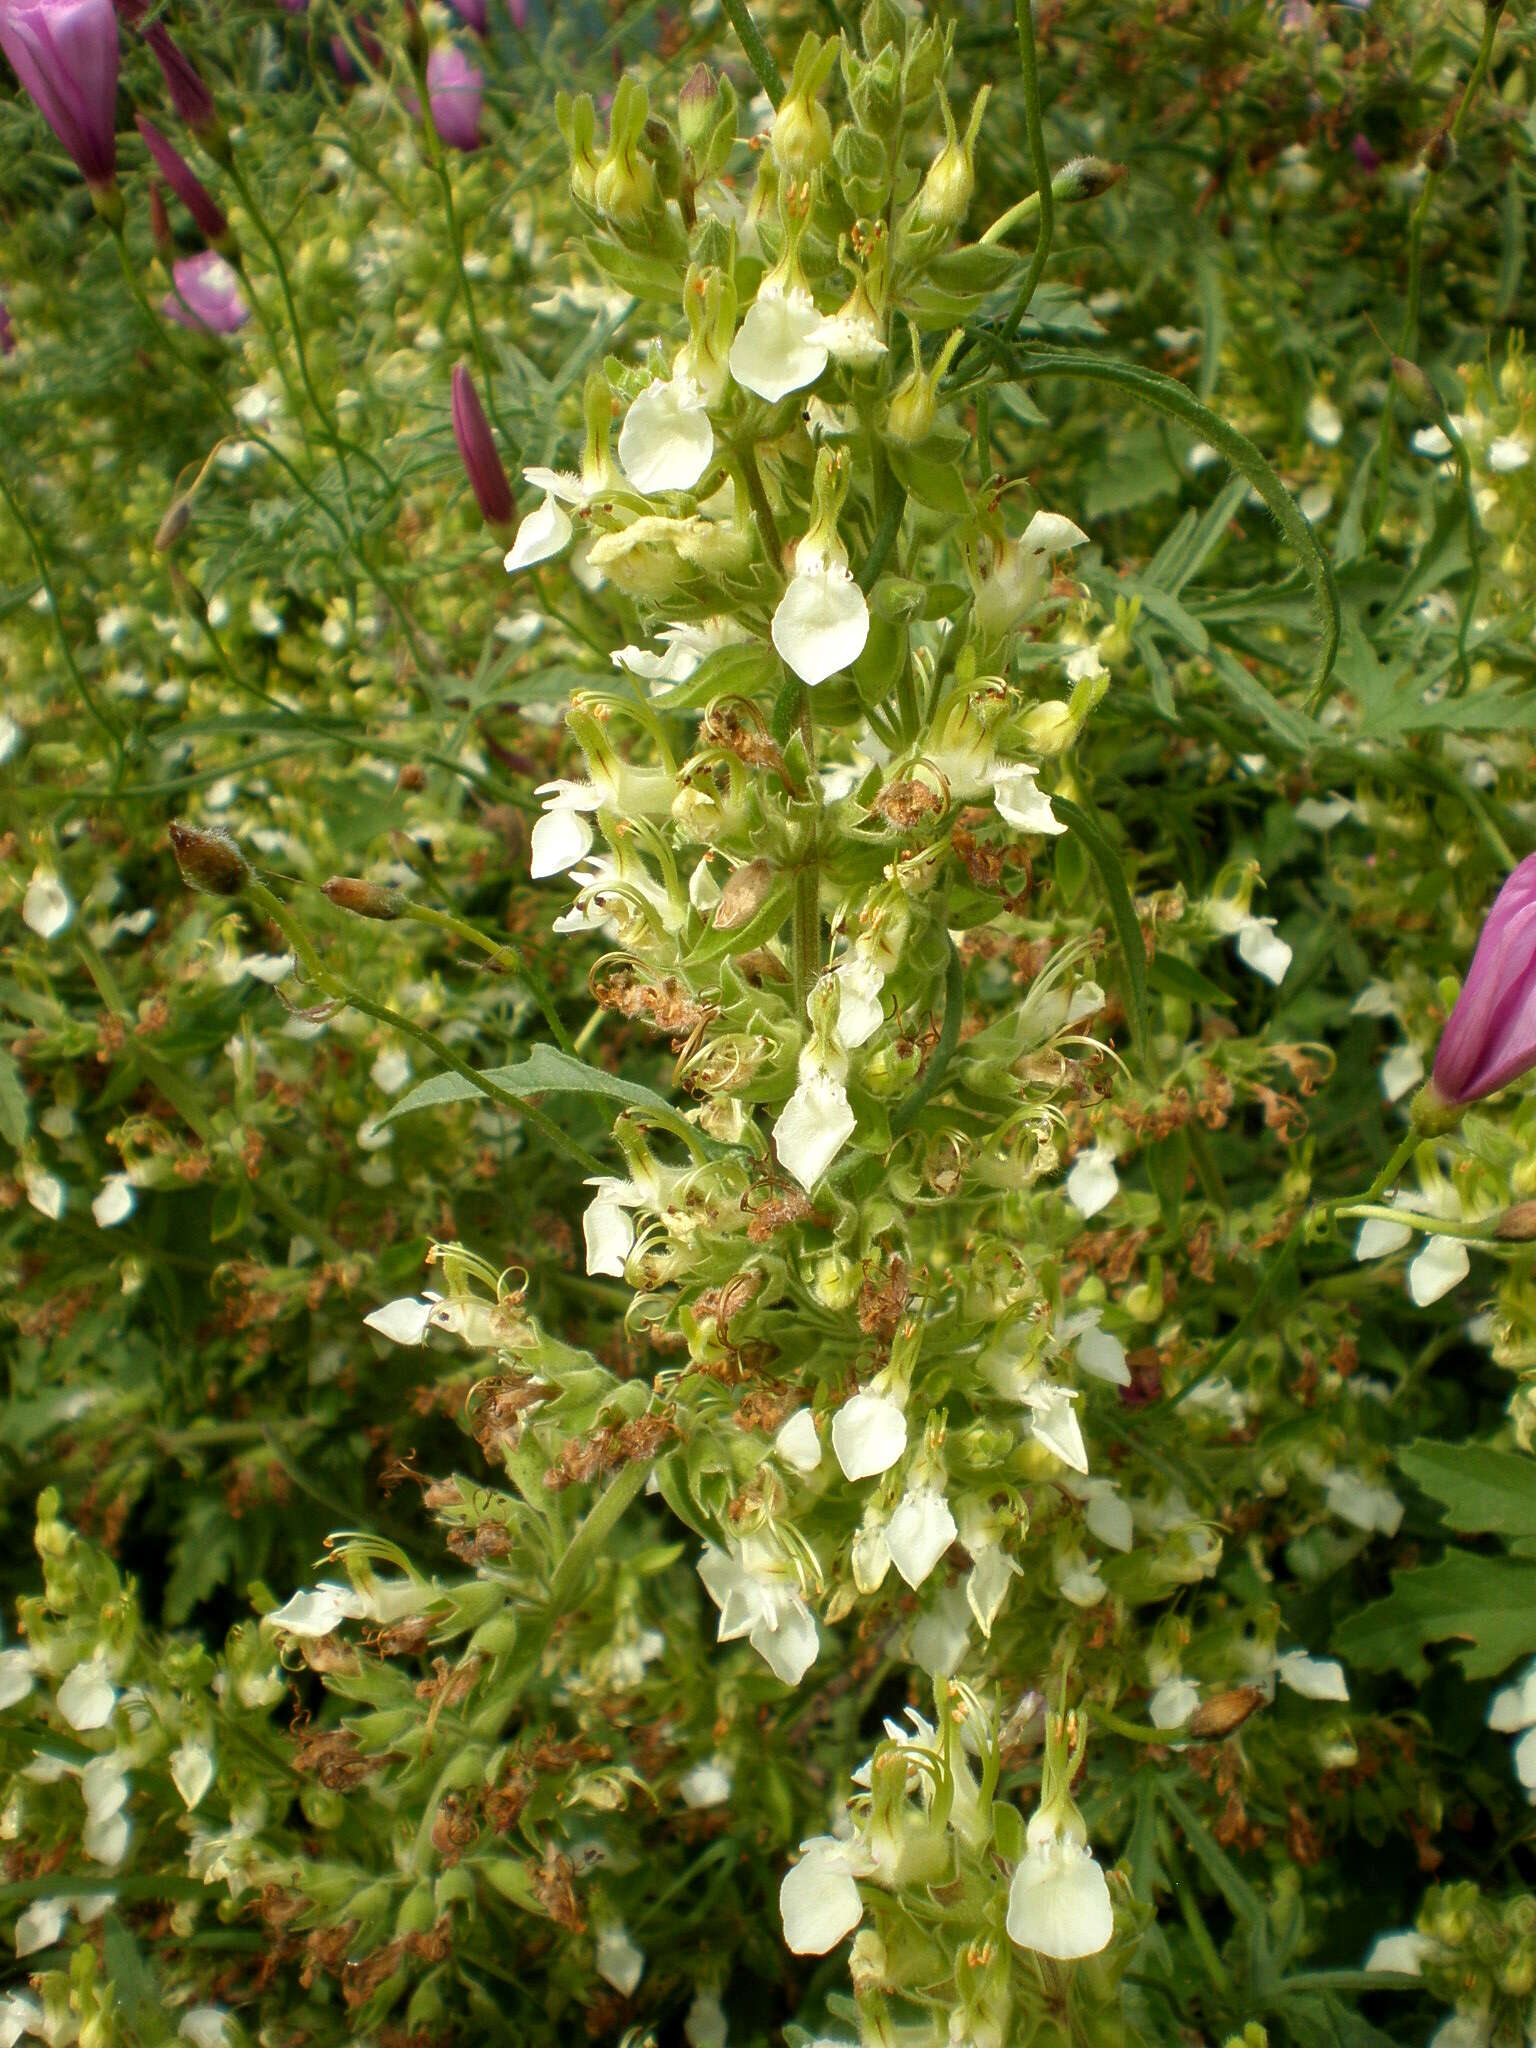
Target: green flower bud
{"points": [[914, 408], [625, 189], [698, 107], [577, 120], [802, 128], [945, 198]]}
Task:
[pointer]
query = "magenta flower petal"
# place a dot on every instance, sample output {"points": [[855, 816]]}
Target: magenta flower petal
{"points": [[1490, 1036], [189, 95], [184, 182], [455, 89], [471, 13], [207, 295], [477, 450], [65, 54]]}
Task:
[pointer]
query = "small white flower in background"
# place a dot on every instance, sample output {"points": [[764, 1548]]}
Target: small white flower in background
{"points": [[819, 1901], [686, 647], [1363, 1503], [607, 1227], [391, 1070], [561, 834], [18, 1675], [1374, 1000], [46, 908], [403, 1321], [1099, 1353], [704, 2025], [1084, 664], [205, 2026], [666, 441], [619, 1961], [849, 338], [919, 1533], [707, 1783], [45, 1191], [776, 350], [10, 736], [104, 1787], [1093, 1182], [1058, 1902], [1512, 1711], [1440, 1266], [1173, 1703], [1402, 1953], [798, 1444], [1324, 422], [87, 1696], [759, 1598], [1054, 1422], [542, 535], [1259, 947], [114, 1201], [41, 1925], [1108, 1516], [19, 2014], [192, 1772], [1078, 1581], [1315, 1678], [1401, 1070], [1323, 813], [1430, 441], [869, 1433], [814, 1125], [1509, 452], [986, 1587], [822, 621], [1021, 802], [318, 1613], [1316, 502]]}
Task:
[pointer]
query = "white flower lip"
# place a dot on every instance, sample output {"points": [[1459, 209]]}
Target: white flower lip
{"points": [[561, 835], [46, 907], [541, 535], [813, 1127], [403, 1321], [920, 1532], [1440, 1266], [1093, 1182], [666, 441], [819, 1901], [776, 350], [319, 1612], [869, 1433], [1021, 802], [1315, 1678], [821, 622], [1058, 1902]]}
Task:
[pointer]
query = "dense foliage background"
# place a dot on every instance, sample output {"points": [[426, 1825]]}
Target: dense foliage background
{"points": [[246, 585]]}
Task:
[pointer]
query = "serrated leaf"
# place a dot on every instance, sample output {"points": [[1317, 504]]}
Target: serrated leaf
{"points": [[1482, 1491], [545, 1072], [1486, 1603]]}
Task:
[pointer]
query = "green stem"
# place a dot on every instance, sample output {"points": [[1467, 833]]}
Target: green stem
{"points": [[919, 1096], [1416, 1219], [762, 511], [1040, 164], [806, 941], [758, 55], [439, 162]]}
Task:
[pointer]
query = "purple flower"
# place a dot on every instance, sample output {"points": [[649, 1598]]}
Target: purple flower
{"points": [[471, 13], [1490, 1036], [65, 54], [518, 9], [297, 6], [342, 57], [189, 96], [207, 295], [184, 182], [455, 88], [7, 331], [477, 450], [1364, 155]]}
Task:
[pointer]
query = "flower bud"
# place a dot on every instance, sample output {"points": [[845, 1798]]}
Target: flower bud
{"points": [[1416, 388], [209, 859], [363, 899], [477, 451], [577, 121], [1085, 177], [1051, 727], [1224, 1713], [178, 516], [802, 128], [698, 106], [1490, 1036], [1440, 152], [188, 187], [945, 198], [914, 404], [744, 895], [625, 187], [189, 95]]}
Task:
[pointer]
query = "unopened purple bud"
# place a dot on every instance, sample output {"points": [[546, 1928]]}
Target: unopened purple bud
{"points": [[518, 9], [1490, 1036], [1364, 155], [184, 82], [7, 331], [65, 54], [184, 182], [207, 295], [455, 89], [471, 13], [477, 451]]}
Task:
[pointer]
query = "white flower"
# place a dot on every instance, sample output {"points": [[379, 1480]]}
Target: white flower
{"points": [[1323, 813], [758, 1599], [192, 1771], [19, 2014], [1054, 1422], [45, 1191], [869, 1433], [205, 2026], [1052, 533], [819, 1901], [542, 534], [1431, 441], [1324, 422], [41, 1925], [1173, 1703], [1402, 1069], [403, 1321], [1058, 1902], [775, 350], [1315, 1678], [1513, 1707], [686, 647], [1403, 1953], [1507, 453], [798, 1444], [18, 1674], [821, 622], [1093, 1183], [317, 1613], [1078, 1581], [1107, 1515], [1083, 664], [390, 1070], [114, 1201], [1440, 1266], [704, 2024], [707, 1783], [1378, 1238], [561, 834], [46, 908], [618, 1961], [813, 1126], [607, 1227], [849, 338], [666, 441], [859, 1013], [992, 1573], [87, 1696], [1020, 802], [1362, 1503], [1259, 947], [920, 1531], [1099, 1353]]}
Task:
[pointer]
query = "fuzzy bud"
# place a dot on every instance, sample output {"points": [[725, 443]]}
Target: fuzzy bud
{"points": [[802, 128], [178, 515], [363, 899], [744, 895], [1440, 152], [698, 105], [209, 859], [1085, 177]]}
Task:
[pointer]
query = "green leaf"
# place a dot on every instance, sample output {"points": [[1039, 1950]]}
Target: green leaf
{"points": [[1487, 1603], [13, 1103], [645, 277], [1121, 909], [132, 1984], [937, 484], [544, 1072], [1171, 976], [1483, 1491]]}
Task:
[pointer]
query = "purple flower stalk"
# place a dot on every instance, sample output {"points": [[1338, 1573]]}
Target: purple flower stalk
{"points": [[455, 89], [65, 54], [7, 331], [1490, 1036], [207, 295], [185, 183], [477, 451], [189, 95]]}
